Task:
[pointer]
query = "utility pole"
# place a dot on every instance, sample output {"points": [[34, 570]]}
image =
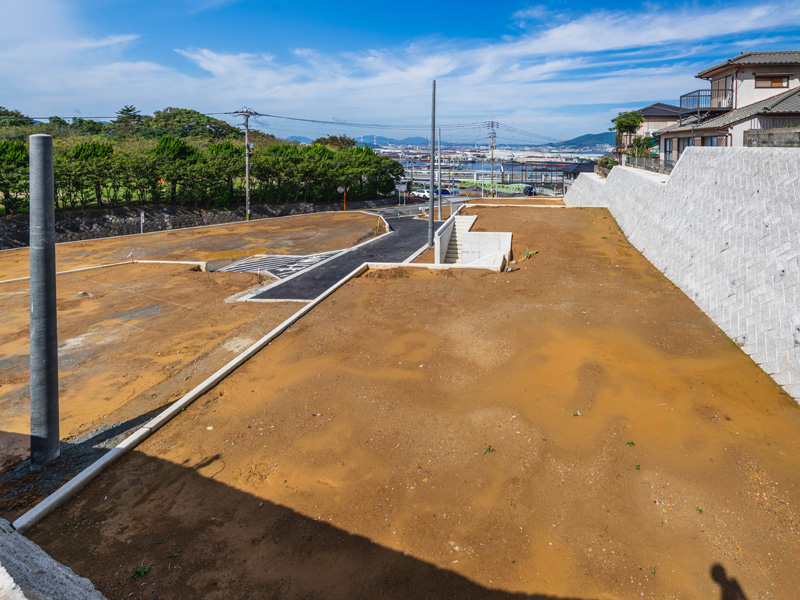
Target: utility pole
{"points": [[247, 163], [433, 151], [439, 174], [45, 439], [491, 185], [246, 113]]}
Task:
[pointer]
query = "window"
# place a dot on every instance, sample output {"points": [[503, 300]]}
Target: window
{"points": [[772, 81]]}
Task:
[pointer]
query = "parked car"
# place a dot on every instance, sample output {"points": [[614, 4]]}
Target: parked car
{"points": [[420, 194], [529, 190]]}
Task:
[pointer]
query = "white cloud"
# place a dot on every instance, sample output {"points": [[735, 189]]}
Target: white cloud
{"points": [[540, 80]]}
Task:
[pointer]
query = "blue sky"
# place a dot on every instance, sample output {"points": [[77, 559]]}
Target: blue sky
{"points": [[554, 68]]}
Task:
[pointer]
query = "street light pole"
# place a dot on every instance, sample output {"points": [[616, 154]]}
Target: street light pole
{"points": [[433, 152]]}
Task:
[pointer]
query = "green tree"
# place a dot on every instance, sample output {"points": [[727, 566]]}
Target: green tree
{"points": [[13, 118], [640, 146], [93, 164], [129, 120], [337, 142], [59, 125], [14, 175], [86, 126], [187, 123], [627, 122]]}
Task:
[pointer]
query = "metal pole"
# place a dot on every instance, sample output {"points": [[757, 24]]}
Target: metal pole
{"points": [[439, 174], [491, 185], [247, 162], [44, 334], [433, 151]]}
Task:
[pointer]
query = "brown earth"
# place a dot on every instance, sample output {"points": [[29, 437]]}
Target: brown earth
{"points": [[135, 337], [301, 234], [521, 201], [575, 428]]}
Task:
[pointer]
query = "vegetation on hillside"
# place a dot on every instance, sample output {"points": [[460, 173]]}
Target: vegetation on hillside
{"points": [[180, 156]]}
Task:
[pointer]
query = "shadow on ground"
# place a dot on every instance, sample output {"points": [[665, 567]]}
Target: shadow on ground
{"points": [[21, 488], [205, 539]]}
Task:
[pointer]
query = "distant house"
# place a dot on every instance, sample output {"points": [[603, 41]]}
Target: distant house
{"points": [[754, 90], [656, 116]]}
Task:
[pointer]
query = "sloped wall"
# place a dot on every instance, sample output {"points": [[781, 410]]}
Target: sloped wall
{"points": [[725, 228]]}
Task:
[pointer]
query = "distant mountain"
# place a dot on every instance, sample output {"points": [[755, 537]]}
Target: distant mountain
{"points": [[590, 139], [299, 138]]}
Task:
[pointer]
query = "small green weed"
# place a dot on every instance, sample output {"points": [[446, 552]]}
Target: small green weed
{"points": [[487, 449], [637, 467], [629, 443], [698, 509], [174, 553], [140, 571]]}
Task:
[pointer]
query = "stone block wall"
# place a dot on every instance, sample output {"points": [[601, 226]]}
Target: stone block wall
{"points": [[725, 228], [86, 225], [778, 137]]}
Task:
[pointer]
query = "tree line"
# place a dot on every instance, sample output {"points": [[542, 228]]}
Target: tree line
{"points": [[179, 156]]}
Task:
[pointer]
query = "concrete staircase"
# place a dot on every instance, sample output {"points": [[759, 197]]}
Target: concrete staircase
{"points": [[462, 225]]}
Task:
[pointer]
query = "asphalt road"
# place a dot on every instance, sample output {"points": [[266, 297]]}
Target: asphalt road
{"points": [[408, 236]]}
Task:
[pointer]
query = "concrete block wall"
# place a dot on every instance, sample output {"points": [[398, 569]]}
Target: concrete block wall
{"points": [[725, 228], [442, 240], [478, 245]]}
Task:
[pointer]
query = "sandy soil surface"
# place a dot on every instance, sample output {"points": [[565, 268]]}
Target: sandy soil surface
{"points": [[301, 234], [576, 428], [131, 339], [521, 201], [135, 337]]}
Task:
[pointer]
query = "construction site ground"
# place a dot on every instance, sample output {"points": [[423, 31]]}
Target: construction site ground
{"points": [[135, 337], [576, 428], [301, 234]]}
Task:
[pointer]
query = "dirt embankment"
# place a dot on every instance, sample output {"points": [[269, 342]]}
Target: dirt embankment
{"points": [[574, 429], [304, 234]]}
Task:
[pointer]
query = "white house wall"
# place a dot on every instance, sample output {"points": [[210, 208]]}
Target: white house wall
{"points": [[725, 228]]}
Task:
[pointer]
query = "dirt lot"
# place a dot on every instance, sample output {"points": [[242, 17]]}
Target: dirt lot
{"points": [[302, 234], [521, 201], [135, 337], [575, 429]]}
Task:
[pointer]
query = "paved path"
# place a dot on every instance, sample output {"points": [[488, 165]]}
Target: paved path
{"points": [[408, 237], [279, 266]]}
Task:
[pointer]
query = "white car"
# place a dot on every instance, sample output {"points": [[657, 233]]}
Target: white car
{"points": [[421, 194]]}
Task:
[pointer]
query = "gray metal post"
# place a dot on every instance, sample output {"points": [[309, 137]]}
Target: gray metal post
{"points": [[44, 335], [439, 174], [247, 163], [433, 152]]}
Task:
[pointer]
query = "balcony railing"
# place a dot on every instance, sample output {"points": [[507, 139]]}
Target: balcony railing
{"points": [[714, 99]]}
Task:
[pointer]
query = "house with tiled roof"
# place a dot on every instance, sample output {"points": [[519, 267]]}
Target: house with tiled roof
{"points": [[656, 116], [754, 90]]}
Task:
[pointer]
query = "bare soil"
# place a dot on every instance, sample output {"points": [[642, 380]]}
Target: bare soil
{"points": [[521, 201], [301, 234], [576, 428], [135, 337]]}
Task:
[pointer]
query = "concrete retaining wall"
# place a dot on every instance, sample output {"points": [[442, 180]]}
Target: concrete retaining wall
{"points": [[778, 137], [725, 228], [87, 225], [478, 245], [442, 240]]}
